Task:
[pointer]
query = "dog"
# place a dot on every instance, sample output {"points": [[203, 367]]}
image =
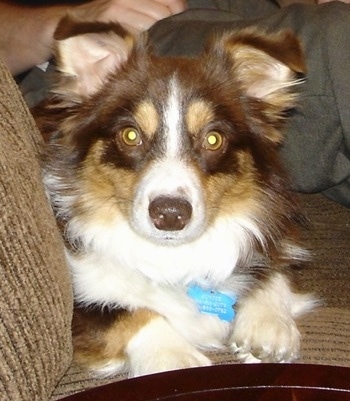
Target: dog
{"points": [[181, 230]]}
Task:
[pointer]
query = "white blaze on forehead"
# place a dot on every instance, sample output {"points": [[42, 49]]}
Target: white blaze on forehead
{"points": [[173, 119], [169, 175]]}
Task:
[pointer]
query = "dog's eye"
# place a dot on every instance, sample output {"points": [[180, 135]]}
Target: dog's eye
{"points": [[213, 140], [131, 136]]}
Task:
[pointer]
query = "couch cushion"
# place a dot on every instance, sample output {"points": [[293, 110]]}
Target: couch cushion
{"points": [[36, 300]]}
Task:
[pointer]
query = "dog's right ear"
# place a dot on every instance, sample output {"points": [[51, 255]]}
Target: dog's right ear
{"points": [[86, 52]]}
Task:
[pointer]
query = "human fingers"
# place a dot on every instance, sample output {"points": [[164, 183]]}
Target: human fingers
{"points": [[154, 9], [175, 6], [141, 14], [137, 14]]}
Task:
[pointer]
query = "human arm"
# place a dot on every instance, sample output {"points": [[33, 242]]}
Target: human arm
{"points": [[26, 32]]}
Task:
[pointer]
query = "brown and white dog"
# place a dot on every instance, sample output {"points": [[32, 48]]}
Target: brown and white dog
{"points": [[178, 219]]}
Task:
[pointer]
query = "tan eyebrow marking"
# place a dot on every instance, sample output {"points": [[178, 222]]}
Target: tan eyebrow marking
{"points": [[147, 118], [198, 115]]}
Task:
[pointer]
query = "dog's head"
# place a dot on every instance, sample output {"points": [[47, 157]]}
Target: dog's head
{"points": [[169, 145]]}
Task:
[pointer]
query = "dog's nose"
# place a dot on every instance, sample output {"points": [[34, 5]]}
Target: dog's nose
{"points": [[170, 214]]}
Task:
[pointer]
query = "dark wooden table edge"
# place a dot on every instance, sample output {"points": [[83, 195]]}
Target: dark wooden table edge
{"points": [[236, 377]]}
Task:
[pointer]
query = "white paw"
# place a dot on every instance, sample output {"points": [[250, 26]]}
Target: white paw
{"points": [[207, 331], [168, 359], [108, 369], [158, 347], [269, 338], [264, 328]]}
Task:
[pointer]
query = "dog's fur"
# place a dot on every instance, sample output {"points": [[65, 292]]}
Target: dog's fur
{"points": [[164, 173]]}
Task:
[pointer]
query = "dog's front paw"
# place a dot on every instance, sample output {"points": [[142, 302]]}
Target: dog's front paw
{"points": [[166, 359], [264, 328], [158, 347], [268, 337]]}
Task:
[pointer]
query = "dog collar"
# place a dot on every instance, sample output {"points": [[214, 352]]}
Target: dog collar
{"points": [[212, 302]]}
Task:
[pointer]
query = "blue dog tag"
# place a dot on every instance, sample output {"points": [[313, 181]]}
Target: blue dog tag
{"points": [[214, 303]]}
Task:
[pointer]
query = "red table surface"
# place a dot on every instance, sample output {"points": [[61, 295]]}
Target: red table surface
{"points": [[260, 382]]}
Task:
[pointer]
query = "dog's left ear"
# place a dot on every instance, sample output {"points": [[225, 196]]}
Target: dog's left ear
{"points": [[86, 52], [268, 67]]}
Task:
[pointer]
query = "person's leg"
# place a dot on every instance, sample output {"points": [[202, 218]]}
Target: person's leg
{"points": [[246, 9], [36, 296], [317, 146], [185, 33]]}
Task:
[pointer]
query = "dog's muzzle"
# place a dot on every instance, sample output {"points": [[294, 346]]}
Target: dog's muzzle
{"points": [[170, 213], [169, 206]]}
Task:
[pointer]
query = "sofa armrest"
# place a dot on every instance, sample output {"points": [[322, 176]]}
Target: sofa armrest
{"points": [[36, 300]]}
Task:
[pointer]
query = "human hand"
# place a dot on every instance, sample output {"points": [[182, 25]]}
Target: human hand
{"points": [[139, 15]]}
